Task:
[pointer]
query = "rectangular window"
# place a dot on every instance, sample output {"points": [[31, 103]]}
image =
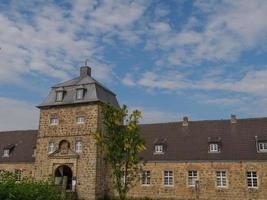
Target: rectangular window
{"points": [[213, 147], [221, 179], [78, 147], [18, 173], [146, 178], [123, 178], [59, 96], [80, 120], [252, 179], [168, 178], [53, 121], [6, 153], [192, 178], [51, 147], [79, 94], [262, 146], [158, 148]]}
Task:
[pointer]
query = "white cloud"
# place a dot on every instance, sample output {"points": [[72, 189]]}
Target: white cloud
{"points": [[52, 40], [228, 29], [17, 115], [128, 80], [150, 115], [253, 82], [222, 101]]}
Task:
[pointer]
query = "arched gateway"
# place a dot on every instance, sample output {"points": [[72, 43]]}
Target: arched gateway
{"points": [[61, 172]]}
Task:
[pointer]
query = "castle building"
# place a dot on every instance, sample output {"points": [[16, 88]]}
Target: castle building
{"points": [[211, 159]]}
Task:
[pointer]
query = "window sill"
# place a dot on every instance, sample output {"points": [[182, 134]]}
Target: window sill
{"points": [[221, 187], [253, 188], [168, 186], [158, 153], [145, 185]]}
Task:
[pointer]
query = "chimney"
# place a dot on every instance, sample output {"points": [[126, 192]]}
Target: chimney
{"points": [[233, 119], [185, 121], [85, 71]]}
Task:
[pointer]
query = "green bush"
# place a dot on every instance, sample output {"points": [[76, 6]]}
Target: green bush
{"points": [[26, 189]]}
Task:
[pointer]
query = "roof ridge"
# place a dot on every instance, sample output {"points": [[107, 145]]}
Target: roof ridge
{"points": [[205, 120]]}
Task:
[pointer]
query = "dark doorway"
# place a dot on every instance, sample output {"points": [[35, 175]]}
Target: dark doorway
{"points": [[62, 171]]}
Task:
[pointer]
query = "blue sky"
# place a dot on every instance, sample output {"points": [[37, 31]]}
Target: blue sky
{"points": [[168, 58]]}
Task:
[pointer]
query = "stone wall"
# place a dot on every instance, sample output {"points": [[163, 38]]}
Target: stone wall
{"points": [[87, 167], [237, 184], [27, 168]]}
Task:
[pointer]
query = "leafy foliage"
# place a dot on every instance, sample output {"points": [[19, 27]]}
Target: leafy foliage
{"points": [[26, 189], [121, 144]]}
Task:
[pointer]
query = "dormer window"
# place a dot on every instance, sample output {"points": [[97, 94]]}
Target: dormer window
{"points": [[79, 94], [214, 148], [6, 153], [8, 149], [158, 149], [262, 146], [34, 152], [59, 94]]}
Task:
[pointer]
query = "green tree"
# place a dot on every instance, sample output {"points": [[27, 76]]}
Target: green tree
{"points": [[121, 144]]}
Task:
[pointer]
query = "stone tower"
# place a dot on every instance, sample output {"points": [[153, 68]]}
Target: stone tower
{"points": [[66, 147]]}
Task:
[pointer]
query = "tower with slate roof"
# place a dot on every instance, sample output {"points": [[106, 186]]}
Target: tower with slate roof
{"points": [[69, 117]]}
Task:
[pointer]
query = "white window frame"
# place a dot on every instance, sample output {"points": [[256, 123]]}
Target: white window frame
{"points": [[54, 121], [168, 179], [221, 179], [78, 146], [80, 120], [18, 174], [214, 148], [6, 153], [262, 146], [192, 178], [146, 178], [51, 147], [158, 149], [59, 96], [79, 94], [252, 176]]}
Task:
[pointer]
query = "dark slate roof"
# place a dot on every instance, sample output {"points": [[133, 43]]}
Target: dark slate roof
{"points": [[95, 91], [22, 143], [191, 142]]}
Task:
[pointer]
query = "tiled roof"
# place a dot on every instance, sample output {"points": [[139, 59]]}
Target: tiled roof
{"points": [[22, 143], [190, 142], [182, 143]]}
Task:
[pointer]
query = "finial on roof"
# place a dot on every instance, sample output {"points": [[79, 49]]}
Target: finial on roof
{"points": [[85, 70], [233, 119], [86, 62], [185, 121]]}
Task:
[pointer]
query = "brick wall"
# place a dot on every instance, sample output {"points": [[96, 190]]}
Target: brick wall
{"points": [[27, 168], [236, 173], [87, 168]]}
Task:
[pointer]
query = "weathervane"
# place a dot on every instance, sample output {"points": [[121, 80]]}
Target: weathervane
{"points": [[86, 62]]}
